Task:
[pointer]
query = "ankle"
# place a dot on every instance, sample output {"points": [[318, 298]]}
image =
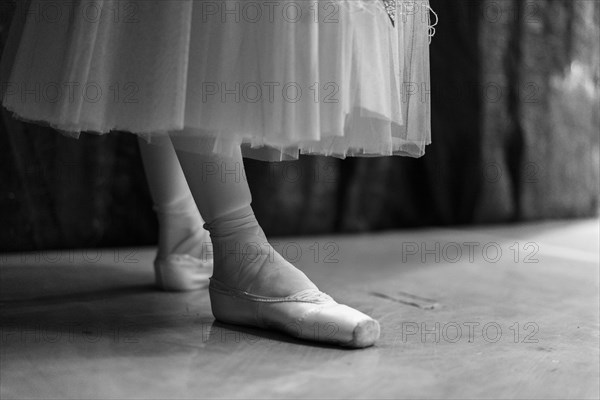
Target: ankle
{"points": [[181, 233], [240, 222]]}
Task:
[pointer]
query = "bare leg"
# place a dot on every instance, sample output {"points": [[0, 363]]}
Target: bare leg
{"points": [[182, 262]]}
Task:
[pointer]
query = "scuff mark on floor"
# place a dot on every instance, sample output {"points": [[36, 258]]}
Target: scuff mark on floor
{"points": [[431, 304]]}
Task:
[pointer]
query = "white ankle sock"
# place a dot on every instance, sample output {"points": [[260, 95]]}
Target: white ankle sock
{"points": [[243, 258], [180, 223]]}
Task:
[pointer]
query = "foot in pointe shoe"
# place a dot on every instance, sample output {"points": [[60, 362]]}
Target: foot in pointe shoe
{"points": [[255, 286], [189, 265]]}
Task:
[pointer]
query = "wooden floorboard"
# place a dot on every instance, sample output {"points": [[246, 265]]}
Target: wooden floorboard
{"points": [[485, 312]]}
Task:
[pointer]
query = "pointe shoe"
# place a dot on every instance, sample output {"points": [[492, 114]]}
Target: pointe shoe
{"points": [[182, 272], [309, 314]]}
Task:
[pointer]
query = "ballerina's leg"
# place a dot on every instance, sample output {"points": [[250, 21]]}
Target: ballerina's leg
{"points": [[182, 260], [252, 284]]}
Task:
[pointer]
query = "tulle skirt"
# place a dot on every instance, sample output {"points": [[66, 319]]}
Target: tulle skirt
{"points": [[279, 78]]}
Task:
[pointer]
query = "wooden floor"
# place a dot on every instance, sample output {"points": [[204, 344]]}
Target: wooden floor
{"points": [[498, 312]]}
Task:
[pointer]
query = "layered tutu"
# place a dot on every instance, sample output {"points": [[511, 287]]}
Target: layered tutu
{"points": [[280, 78]]}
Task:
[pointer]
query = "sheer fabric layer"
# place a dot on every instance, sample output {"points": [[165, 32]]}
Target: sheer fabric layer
{"points": [[279, 78]]}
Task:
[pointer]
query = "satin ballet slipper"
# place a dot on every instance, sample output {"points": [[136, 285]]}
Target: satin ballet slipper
{"points": [[309, 314], [183, 272]]}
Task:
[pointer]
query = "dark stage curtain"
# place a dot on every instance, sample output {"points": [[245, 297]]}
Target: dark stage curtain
{"points": [[515, 117]]}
